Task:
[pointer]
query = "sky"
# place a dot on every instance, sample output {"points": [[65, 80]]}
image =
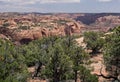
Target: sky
{"points": [[60, 6]]}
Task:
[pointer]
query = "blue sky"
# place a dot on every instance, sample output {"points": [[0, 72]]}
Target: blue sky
{"points": [[63, 6]]}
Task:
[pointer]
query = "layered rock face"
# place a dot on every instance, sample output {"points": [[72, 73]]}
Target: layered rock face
{"points": [[99, 21], [30, 26], [36, 33], [108, 21], [26, 28]]}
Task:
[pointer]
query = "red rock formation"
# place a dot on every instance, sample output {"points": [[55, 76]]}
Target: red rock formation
{"points": [[25, 28], [38, 32]]}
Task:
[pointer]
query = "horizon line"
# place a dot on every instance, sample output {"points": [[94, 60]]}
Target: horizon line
{"points": [[55, 12]]}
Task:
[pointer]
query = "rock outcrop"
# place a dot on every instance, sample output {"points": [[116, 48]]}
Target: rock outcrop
{"points": [[25, 36], [36, 33]]}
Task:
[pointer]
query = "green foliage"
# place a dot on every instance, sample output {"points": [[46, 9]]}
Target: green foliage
{"points": [[79, 56], [59, 57], [85, 75], [112, 52], [24, 27], [94, 41], [12, 67], [6, 24], [61, 22], [60, 62], [37, 50]]}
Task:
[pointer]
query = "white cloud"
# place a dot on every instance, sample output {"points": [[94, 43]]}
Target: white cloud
{"points": [[104, 0], [59, 1], [20, 2], [24, 2]]}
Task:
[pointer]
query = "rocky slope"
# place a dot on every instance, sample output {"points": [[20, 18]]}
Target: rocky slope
{"points": [[90, 18], [100, 21], [25, 28], [108, 21]]}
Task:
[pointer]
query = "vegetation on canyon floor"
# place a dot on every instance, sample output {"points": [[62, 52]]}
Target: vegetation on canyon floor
{"points": [[59, 58]]}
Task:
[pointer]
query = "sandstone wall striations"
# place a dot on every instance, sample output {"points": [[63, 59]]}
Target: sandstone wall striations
{"points": [[37, 33]]}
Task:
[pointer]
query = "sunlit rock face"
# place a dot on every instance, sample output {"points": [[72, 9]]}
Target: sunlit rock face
{"points": [[25, 28], [28, 27]]}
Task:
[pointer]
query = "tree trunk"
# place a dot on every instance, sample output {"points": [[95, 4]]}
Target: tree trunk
{"points": [[108, 77], [56, 75], [76, 64], [75, 75], [37, 69], [94, 50], [56, 78]]}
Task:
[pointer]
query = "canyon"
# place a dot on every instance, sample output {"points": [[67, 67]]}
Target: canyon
{"points": [[25, 27]]}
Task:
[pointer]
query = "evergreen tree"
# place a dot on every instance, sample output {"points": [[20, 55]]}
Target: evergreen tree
{"points": [[93, 41], [112, 54], [12, 67]]}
